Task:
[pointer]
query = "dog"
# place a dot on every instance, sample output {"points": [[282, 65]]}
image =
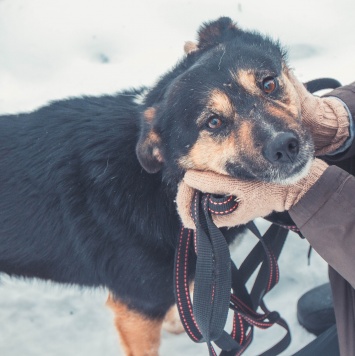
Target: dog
{"points": [[87, 185]]}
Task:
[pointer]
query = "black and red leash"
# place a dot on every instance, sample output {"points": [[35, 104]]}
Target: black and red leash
{"points": [[220, 285]]}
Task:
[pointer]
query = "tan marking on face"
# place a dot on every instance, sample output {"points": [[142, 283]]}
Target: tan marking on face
{"points": [[219, 104], [294, 104], [288, 108], [209, 154], [245, 135], [247, 147], [281, 113], [140, 336], [246, 78], [149, 114]]}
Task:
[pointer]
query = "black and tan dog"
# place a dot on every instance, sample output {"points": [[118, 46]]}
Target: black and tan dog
{"points": [[87, 185]]}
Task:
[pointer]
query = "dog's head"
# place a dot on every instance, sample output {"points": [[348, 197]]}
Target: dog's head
{"points": [[228, 107]]}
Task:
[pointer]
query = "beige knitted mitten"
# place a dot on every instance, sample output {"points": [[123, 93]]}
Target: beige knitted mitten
{"points": [[326, 118], [256, 199]]}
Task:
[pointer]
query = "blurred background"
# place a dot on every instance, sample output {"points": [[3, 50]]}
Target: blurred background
{"points": [[55, 49]]}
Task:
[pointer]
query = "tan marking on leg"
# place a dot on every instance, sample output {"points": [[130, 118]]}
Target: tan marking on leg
{"points": [[172, 322], [139, 335], [192, 289]]}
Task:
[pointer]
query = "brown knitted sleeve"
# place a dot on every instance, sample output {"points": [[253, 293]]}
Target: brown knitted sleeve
{"points": [[347, 95]]}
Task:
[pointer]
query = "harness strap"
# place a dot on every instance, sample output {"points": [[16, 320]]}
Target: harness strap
{"points": [[245, 304], [220, 285]]}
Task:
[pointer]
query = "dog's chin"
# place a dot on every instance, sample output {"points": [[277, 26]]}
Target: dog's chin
{"points": [[284, 175], [289, 178]]}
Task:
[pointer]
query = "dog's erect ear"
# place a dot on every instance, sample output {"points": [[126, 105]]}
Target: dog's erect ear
{"points": [[148, 148], [215, 32]]}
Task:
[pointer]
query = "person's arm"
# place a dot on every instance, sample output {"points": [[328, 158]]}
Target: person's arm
{"points": [[326, 217], [346, 94]]}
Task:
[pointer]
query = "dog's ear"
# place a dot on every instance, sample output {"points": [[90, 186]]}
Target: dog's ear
{"points": [[190, 47], [148, 148], [215, 32]]}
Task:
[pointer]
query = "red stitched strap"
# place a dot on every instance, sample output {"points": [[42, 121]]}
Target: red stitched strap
{"points": [[182, 292], [284, 220], [224, 205], [244, 304]]}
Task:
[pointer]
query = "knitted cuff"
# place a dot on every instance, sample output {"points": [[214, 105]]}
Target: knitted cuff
{"points": [[333, 129], [299, 189], [183, 202]]}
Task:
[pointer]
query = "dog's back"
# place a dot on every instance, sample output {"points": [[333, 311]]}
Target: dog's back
{"points": [[76, 206]]}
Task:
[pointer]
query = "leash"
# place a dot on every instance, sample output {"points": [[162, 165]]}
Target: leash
{"points": [[220, 285]]}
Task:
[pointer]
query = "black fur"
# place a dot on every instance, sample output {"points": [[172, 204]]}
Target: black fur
{"points": [[76, 206]]}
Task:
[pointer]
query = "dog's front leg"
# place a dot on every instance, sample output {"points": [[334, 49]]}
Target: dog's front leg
{"points": [[139, 335]]}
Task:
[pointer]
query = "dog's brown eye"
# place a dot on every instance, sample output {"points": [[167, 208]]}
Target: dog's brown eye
{"points": [[214, 122], [269, 85]]}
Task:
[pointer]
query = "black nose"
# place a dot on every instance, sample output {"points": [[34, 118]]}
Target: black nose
{"points": [[282, 149]]}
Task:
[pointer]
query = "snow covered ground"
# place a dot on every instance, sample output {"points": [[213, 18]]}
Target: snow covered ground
{"points": [[55, 49]]}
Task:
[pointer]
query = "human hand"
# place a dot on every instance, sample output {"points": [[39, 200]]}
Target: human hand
{"points": [[255, 198], [326, 118]]}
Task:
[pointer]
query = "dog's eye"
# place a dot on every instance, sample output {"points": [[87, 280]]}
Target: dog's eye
{"points": [[269, 85], [214, 122]]}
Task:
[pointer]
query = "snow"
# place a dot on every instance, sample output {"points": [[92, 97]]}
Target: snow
{"points": [[56, 49]]}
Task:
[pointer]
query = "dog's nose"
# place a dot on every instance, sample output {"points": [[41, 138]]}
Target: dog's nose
{"points": [[282, 149]]}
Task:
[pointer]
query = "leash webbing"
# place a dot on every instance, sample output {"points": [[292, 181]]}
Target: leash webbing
{"points": [[216, 276]]}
